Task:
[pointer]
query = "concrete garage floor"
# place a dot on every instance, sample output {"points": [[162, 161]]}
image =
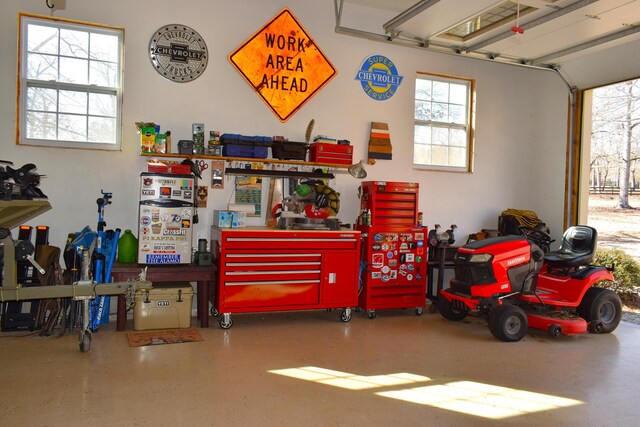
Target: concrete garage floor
{"points": [[308, 368]]}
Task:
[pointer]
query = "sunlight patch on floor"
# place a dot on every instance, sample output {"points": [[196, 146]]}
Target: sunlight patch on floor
{"points": [[467, 397]]}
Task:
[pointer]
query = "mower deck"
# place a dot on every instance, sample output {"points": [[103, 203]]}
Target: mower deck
{"points": [[557, 322]]}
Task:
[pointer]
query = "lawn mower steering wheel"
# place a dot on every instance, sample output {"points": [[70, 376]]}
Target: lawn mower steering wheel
{"points": [[539, 237]]}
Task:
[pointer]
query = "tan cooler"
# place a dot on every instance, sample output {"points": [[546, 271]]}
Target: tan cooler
{"points": [[164, 306]]}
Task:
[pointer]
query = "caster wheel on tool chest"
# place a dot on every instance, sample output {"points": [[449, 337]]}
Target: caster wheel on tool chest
{"points": [[418, 311], [226, 325], [372, 314], [345, 316], [215, 312]]}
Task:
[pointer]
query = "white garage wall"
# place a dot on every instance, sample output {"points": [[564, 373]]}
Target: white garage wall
{"points": [[520, 123]]}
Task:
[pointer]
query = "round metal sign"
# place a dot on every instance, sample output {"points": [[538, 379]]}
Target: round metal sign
{"points": [[178, 53]]}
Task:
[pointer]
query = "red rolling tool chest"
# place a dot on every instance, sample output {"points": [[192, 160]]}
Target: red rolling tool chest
{"points": [[394, 248], [262, 270]]}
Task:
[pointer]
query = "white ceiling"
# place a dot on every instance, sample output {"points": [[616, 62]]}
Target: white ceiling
{"points": [[557, 32]]}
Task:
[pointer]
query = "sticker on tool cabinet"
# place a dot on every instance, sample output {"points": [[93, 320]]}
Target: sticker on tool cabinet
{"points": [[145, 230], [418, 276], [420, 251], [376, 275], [419, 236], [393, 246], [145, 221], [377, 260], [418, 259], [385, 278], [385, 269], [392, 237], [420, 243], [410, 267], [406, 237], [389, 255], [404, 246], [409, 257], [409, 276], [393, 262], [376, 247], [378, 237], [385, 247], [393, 274], [403, 272]]}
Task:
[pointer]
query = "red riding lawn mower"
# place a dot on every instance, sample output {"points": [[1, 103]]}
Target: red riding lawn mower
{"points": [[516, 285]]}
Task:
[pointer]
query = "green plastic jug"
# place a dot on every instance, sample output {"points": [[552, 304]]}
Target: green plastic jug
{"points": [[127, 248]]}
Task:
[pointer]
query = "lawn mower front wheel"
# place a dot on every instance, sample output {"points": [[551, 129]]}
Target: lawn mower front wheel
{"points": [[508, 323], [448, 312]]}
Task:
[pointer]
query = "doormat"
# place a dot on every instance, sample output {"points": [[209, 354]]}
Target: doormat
{"points": [[163, 336]]}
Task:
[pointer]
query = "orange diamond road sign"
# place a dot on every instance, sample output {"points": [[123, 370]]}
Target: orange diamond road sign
{"points": [[283, 65]]}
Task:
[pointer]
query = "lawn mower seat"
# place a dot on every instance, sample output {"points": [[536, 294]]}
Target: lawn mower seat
{"points": [[578, 247]]}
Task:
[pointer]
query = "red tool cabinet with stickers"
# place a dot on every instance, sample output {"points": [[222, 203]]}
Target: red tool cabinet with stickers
{"points": [[394, 248]]}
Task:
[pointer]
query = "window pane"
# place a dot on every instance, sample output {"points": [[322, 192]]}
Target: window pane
{"points": [[457, 114], [439, 112], [439, 155], [102, 129], [42, 67], [440, 91], [74, 70], [74, 43], [104, 47], [103, 74], [72, 128], [422, 154], [458, 138], [423, 110], [457, 157], [422, 134], [440, 136], [42, 39], [41, 125], [72, 101], [102, 104], [458, 94], [42, 99], [423, 89]]}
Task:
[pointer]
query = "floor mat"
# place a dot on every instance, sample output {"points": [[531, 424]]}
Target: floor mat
{"points": [[163, 336]]}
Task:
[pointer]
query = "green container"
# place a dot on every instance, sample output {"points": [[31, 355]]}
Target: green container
{"points": [[127, 248]]}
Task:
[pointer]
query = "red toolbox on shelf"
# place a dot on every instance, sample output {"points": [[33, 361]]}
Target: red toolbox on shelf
{"points": [[322, 152], [390, 203]]}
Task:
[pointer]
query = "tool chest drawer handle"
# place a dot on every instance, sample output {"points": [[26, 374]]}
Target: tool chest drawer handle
{"points": [[258, 264], [274, 282], [247, 272], [278, 255], [283, 239]]}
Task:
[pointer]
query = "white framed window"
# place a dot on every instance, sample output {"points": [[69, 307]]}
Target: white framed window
{"points": [[443, 123], [70, 83]]}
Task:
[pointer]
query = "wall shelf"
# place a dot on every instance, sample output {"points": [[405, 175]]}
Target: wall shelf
{"points": [[243, 159], [279, 174]]}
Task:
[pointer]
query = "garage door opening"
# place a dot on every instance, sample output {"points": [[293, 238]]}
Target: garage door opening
{"points": [[611, 165]]}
